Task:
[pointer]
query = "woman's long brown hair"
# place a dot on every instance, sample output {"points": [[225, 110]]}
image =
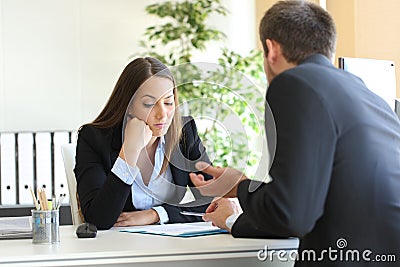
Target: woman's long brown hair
{"points": [[132, 77]]}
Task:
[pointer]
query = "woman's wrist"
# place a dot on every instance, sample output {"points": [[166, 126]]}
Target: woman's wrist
{"points": [[131, 159], [154, 216]]}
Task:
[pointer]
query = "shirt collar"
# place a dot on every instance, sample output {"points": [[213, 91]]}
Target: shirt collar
{"points": [[161, 143]]}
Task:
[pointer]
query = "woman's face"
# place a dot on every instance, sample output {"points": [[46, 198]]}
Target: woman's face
{"points": [[154, 103]]}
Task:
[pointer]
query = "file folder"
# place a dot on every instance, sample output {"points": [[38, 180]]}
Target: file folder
{"points": [[60, 180], [177, 229], [8, 178], [43, 162], [25, 167]]}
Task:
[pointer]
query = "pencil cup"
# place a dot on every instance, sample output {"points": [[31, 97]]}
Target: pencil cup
{"points": [[45, 227]]}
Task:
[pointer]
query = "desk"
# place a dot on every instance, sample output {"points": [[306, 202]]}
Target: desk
{"points": [[114, 248]]}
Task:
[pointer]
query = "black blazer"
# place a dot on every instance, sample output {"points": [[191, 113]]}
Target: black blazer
{"points": [[103, 196], [336, 171]]}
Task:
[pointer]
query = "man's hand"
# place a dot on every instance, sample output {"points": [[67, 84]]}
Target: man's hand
{"points": [[223, 184], [141, 217], [220, 209]]}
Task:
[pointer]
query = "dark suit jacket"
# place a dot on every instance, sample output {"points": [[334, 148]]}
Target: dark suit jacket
{"points": [[103, 196], [336, 171]]}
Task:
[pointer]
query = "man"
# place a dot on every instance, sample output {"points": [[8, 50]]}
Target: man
{"points": [[336, 171]]}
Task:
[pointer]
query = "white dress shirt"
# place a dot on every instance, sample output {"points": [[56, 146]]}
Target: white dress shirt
{"points": [[159, 188], [231, 220]]}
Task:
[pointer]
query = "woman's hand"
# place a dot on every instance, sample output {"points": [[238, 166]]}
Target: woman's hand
{"points": [[137, 136], [134, 218]]}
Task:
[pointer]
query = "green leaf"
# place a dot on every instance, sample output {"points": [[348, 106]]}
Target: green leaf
{"points": [[183, 30]]}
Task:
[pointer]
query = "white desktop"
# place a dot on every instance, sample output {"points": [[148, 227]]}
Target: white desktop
{"points": [[115, 248]]}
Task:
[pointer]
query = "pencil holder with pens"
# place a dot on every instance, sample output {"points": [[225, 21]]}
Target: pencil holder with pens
{"points": [[45, 226]]}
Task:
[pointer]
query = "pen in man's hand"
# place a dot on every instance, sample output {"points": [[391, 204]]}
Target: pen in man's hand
{"points": [[191, 213]]}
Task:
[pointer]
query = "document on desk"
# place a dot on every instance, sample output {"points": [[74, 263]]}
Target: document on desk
{"points": [[15, 227], [177, 229]]}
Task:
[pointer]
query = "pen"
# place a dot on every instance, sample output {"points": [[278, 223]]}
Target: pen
{"points": [[60, 200], [53, 203], [191, 213]]}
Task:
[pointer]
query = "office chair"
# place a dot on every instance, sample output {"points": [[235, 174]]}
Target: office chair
{"points": [[68, 153]]}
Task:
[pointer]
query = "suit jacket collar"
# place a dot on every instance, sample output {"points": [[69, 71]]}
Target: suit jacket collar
{"points": [[317, 59]]}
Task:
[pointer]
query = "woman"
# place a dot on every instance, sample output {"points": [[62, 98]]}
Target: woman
{"points": [[133, 160]]}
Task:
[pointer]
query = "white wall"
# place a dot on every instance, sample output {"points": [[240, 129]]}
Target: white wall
{"points": [[60, 59], [2, 92], [239, 27]]}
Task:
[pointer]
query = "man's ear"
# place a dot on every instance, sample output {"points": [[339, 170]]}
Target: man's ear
{"points": [[273, 51]]}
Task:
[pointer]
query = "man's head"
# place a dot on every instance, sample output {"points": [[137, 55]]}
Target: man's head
{"points": [[300, 28]]}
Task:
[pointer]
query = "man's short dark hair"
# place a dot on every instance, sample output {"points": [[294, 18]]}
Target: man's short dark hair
{"points": [[301, 28]]}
